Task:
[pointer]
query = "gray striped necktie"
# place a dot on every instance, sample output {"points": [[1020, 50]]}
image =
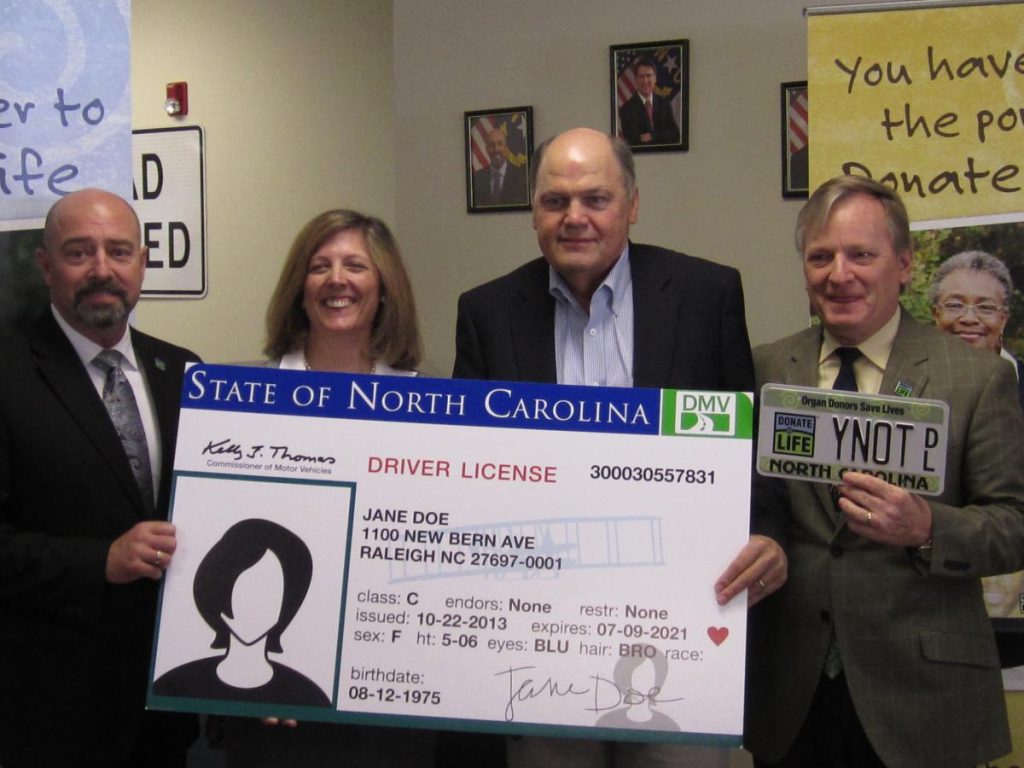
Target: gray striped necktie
{"points": [[119, 400]]}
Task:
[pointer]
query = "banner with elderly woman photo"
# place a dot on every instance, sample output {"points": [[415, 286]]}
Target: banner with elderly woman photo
{"points": [[965, 281], [929, 100]]}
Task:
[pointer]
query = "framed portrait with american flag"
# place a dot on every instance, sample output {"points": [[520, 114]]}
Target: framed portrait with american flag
{"points": [[499, 152], [794, 139], [650, 95]]}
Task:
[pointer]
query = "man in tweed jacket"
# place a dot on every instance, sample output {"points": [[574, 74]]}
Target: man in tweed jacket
{"points": [[878, 650]]}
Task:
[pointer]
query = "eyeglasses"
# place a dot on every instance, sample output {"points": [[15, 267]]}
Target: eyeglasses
{"points": [[958, 309]]}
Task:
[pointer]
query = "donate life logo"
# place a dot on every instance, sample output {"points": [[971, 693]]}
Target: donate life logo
{"points": [[705, 413], [793, 434]]}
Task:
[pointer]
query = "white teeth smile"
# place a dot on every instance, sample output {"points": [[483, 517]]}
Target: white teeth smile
{"points": [[338, 303]]}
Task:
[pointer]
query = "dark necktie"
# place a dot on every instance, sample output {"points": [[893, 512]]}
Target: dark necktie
{"points": [[846, 380], [649, 109], [495, 182], [119, 400]]}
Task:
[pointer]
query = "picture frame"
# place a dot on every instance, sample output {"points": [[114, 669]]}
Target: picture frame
{"points": [[658, 70], [494, 136], [794, 139]]}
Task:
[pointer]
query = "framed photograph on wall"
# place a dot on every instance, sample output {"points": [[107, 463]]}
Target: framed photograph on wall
{"points": [[499, 151], [650, 95], [794, 139]]}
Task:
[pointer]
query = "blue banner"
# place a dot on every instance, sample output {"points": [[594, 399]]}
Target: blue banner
{"points": [[423, 400], [65, 103]]}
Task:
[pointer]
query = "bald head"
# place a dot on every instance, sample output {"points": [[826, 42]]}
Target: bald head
{"points": [[93, 263], [584, 202], [87, 197], [590, 141], [496, 145]]}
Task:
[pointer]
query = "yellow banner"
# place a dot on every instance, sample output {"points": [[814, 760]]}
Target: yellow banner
{"points": [[927, 101]]}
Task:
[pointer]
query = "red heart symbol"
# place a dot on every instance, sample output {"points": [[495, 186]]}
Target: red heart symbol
{"points": [[718, 634]]}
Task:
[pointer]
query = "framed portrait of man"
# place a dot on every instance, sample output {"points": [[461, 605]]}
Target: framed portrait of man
{"points": [[650, 95], [499, 150], [794, 139]]}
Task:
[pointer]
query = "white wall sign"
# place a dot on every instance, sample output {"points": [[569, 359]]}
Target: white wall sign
{"points": [[169, 195]]}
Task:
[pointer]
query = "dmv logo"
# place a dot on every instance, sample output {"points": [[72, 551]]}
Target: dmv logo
{"points": [[708, 413], [793, 434]]}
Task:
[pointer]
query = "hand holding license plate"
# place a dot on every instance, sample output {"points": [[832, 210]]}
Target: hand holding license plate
{"points": [[818, 434]]}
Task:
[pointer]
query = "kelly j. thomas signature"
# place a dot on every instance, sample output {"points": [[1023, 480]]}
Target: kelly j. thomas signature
{"points": [[603, 693], [237, 451]]}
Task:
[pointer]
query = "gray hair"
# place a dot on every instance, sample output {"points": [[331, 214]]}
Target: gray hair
{"points": [[976, 261], [814, 215]]}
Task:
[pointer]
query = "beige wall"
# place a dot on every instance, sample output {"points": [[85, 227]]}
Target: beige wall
{"points": [[359, 103], [296, 102], [319, 103], [721, 200]]}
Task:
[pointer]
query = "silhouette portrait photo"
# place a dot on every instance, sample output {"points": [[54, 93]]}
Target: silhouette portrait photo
{"points": [[248, 588], [639, 680]]}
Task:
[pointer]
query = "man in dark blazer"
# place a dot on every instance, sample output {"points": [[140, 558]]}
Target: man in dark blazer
{"points": [[639, 128], [82, 542], [687, 326], [688, 318], [500, 183], [878, 650]]}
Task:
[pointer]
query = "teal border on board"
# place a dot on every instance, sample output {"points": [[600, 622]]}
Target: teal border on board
{"points": [[183, 704]]}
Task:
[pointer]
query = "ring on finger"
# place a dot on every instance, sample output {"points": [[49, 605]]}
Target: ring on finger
{"points": [[761, 584], [869, 517], [159, 556]]}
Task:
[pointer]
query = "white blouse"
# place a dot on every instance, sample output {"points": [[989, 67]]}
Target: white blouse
{"points": [[296, 361]]}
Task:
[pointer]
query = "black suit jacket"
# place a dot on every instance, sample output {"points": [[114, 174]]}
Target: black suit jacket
{"points": [[74, 650], [633, 121], [689, 328], [513, 187], [689, 332]]}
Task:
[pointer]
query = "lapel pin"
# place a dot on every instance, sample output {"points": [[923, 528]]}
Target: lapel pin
{"points": [[160, 364], [904, 388]]}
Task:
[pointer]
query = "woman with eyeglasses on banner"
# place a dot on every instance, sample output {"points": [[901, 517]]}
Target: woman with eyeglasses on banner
{"points": [[970, 297], [343, 303]]}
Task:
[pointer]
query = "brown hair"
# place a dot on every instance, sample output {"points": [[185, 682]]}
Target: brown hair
{"points": [[395, 338]]}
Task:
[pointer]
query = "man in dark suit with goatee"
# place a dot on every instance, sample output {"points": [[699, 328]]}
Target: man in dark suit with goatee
{"points": [[88, 418]]}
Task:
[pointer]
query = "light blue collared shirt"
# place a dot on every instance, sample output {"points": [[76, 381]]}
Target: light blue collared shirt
{"points": [[595, 349]]}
